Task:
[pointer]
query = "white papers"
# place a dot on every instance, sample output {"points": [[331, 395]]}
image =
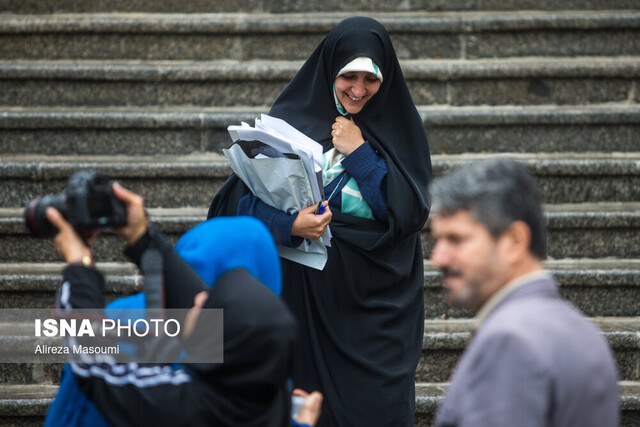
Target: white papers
{"points": [[289, 178], [291, 134], [286, 139]]}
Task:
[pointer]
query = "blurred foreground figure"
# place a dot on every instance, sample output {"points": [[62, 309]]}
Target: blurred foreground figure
{"points": [[535, 360], [249, 388]]}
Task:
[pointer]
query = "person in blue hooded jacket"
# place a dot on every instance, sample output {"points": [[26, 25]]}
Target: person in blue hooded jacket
{"points": [[249, 388]]}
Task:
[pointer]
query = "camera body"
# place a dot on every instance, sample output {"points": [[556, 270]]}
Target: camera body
{"points": [[88, 204]]}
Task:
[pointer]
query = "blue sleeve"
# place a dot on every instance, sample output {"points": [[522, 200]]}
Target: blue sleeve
{"points": [[277, 221], [370, 172]]}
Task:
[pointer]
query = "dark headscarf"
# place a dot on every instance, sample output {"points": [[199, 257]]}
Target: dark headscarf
{"points": [[389, 121], [215, 247], [250, 387], [237, 259]]}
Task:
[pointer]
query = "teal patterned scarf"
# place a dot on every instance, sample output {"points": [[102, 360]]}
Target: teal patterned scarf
{"points": [[352, 201]]}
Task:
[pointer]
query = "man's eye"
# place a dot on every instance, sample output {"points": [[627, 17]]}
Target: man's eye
{"points": [[455, 239]]}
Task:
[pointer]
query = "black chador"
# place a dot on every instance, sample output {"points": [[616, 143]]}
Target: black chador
{"points": [[361, 319]]}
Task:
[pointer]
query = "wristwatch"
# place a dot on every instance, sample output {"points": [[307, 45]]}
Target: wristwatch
{"points": [[87, 261]]}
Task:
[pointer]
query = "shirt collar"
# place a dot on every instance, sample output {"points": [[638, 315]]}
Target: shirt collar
{"points": [[499, 296]]}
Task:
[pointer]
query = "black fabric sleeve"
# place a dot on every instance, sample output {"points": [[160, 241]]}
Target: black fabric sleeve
{"points": [[249, 388], [82, 288], [181, 283], [140, 396]]}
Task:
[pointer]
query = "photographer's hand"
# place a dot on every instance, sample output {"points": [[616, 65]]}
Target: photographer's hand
{"points": [[68, 243], [311, 408], [137, 223]]}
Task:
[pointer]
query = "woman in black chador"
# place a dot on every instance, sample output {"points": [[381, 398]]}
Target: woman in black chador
{"points": [[361, 318]]}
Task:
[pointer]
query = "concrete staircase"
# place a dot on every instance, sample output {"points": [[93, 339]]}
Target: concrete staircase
{"points": [[144, 90]]}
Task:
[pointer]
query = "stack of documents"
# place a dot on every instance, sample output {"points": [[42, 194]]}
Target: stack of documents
{"points": [[283, 168]]}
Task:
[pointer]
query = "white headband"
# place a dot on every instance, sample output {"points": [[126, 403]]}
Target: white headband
{"points": [[362, 63]]}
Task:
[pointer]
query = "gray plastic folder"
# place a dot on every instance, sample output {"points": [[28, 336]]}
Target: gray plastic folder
{"points": [[283, 168]]}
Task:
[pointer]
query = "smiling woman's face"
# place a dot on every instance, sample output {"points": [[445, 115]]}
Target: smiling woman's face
{"points": [[355, 88]]}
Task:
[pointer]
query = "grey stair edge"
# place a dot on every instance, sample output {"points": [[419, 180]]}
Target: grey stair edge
{"points": [[169, 220], [429, 395], [630, 265], [598, 215], [221, 117], [51, 268], [617, 113], [257, 6], [560, 163], [222, 70], [46, 276], [160, 70], [569, 273], [455, 334], [604, 215], [601, 214], [25, 407], [27, 391], [317, 22], [157, 214], [31, 276], [125, 117], [439, 335], [208, 164], [45, 167]]}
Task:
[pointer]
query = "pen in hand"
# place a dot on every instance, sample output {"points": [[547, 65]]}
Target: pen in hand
{"points": [[320, 209]]}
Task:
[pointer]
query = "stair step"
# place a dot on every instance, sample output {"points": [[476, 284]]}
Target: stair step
{"points": [[587, 230], [598, 287], [193, 180], [168, 181], [244, 36], [256, 83], [445, 341], [16, 245], [429, 396], [25, 404], [33, 285], [596, 230], [30, 373], [279, 6], [569, 177], [20, 402], [182, 130]]}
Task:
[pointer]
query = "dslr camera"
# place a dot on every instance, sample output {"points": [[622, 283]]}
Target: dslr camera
{"points": [[88, 204]]}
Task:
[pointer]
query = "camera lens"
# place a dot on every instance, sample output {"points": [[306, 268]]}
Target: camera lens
{"points": [[36, 218]]}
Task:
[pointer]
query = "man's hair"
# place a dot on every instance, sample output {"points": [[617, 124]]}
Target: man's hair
{"points": [[497, 193]]}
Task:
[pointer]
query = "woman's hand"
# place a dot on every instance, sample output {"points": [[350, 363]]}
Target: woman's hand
{"points": [[309, 225], [346, 135]]}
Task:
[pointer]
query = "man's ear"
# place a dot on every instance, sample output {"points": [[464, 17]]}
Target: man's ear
{"points": [[516, 241]]}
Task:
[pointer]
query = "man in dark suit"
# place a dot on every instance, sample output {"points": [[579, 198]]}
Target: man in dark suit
{"points": [[534, 360]]}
